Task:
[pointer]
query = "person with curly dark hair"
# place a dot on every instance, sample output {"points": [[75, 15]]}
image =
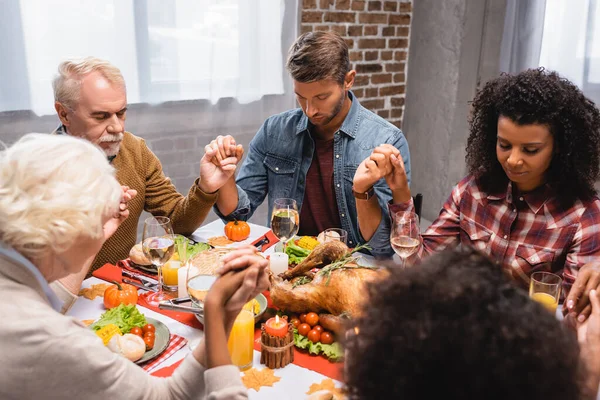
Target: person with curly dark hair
{"points": [[457, 326], [529, 200]]}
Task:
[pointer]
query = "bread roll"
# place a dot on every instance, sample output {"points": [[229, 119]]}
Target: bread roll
{"points": [[129, 346], [136, 255]]}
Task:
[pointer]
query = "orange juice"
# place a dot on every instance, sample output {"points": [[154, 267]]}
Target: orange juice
{"points": [[241, 340], [547, 300], [169, 273]]}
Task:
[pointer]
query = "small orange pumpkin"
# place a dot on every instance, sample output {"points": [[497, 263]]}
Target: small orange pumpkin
{"points": [[120, 293], [237, 230]]}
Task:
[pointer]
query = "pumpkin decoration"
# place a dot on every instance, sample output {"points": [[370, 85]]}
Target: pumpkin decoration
{"points": [[120, 293], [237, 230]]}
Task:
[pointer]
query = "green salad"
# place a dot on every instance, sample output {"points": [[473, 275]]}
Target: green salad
{"points": [[125, 317], [192, 248], [296, 253]]}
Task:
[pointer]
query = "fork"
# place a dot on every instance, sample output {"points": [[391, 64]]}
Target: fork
{"points": [[141, 277], [141, 285]]}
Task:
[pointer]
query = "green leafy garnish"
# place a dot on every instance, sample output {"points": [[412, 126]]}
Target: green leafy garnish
{"points": [[192, 248], [125, 316], [343, 262], [333, 352], [303, 280]]}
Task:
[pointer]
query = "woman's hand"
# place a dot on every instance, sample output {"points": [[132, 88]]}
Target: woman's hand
{"points": [[578, 302], [234, 288]]}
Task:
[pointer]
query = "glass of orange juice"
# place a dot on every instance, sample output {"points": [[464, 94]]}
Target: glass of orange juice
{"points": [[241, 340], [544, 287]]}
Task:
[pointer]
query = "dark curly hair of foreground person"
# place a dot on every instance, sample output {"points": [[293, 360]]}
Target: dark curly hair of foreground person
{"points": [[538, 96], [456, 328]]}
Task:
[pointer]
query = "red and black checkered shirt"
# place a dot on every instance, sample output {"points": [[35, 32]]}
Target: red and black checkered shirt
{"points": [[528, 233]]}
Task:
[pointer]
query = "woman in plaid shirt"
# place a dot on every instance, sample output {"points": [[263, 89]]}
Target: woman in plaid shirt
{"points": [[529, 200]]}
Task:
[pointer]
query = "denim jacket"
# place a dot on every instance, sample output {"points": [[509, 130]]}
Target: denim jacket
{"points": [[281, 152]]}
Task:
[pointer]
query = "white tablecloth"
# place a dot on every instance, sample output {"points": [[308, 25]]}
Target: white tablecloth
{"points": [[295, 381]]}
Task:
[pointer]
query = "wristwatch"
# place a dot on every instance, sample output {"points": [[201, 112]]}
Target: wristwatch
{"points": [[363, 196]]}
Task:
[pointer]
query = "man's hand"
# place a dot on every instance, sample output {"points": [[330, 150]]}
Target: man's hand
{"points": [[578, 303], [588, 335], [242, 278], [219, 163], [111, 226]]}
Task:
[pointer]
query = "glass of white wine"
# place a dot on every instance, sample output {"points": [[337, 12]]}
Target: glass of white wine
{"points": [[285, 220], [405, 236], [158, 244]]}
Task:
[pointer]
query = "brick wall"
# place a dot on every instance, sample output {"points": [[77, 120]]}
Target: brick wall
{"points": [[377, 34]]}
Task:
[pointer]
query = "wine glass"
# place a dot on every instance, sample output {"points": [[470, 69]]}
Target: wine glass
{"points": [[158, 244], [405, 236], [285, 220]]}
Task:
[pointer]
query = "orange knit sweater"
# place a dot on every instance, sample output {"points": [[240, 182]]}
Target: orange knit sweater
{"points": [[139, 168]]}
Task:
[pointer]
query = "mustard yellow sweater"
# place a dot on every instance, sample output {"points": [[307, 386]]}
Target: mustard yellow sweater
{"points": [[139, 168]]}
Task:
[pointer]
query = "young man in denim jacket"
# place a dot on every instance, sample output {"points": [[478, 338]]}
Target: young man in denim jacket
{"points": [[312, 154]]}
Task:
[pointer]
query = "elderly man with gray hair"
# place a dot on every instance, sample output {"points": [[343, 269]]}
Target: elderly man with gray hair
{"points": [[91, 103]]}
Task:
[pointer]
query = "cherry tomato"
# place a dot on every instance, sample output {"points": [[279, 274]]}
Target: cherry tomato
{"points": [[314, 336], [318, 328], [149, 334], [303, 329], [136, 330], [312, 318], [326, 338], [148, 328], [303, 317], [149, 340], [295, 322]]}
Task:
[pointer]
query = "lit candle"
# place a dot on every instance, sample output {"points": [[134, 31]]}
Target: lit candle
{"points": [[276, 326], [278, 263]]}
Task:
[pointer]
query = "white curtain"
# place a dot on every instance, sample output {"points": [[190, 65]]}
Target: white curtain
{"points": [[559, 35], [523, 28], [167, 50]]}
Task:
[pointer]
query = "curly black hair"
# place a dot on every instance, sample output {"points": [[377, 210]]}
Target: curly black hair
{"points": [[456, 326], [538, 96]]}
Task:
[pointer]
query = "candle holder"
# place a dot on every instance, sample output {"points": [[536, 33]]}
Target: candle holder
{"points": [[276, 351]]}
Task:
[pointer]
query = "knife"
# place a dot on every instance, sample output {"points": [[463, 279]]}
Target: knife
{"points": [[140, 285], [141, 277], [259, 245]]}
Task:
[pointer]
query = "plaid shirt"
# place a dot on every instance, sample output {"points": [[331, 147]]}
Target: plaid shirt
{"points": [[525, 234]]}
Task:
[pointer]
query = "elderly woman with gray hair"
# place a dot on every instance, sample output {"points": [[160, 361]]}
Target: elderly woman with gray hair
{"points": [[59, 201]]}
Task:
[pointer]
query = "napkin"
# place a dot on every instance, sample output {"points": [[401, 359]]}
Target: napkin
{"points": [[176, 342], [272, 240], [109, 273], [166, 371]]}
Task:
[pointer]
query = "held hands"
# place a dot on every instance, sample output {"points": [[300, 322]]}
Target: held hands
{"points": [[578, 302], [242, 278], [219, 162], [385, 162], [113, 224]]}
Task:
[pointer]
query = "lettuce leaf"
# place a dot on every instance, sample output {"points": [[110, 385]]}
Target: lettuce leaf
{"points": [[192, 248], [333, 352], [125, 316]]}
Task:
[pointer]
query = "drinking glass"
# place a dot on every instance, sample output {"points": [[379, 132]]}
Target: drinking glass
{"points": [[544, 287], [199, 283], [332, 234], [285, 220], [158, 244], [241, 340], [405, 236]]}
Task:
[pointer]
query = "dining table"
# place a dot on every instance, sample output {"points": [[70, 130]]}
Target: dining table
{"points": [[295, 380]]}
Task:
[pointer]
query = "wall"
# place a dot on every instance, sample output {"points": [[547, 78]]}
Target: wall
{"points": [[454, 48], [377, 34]]}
